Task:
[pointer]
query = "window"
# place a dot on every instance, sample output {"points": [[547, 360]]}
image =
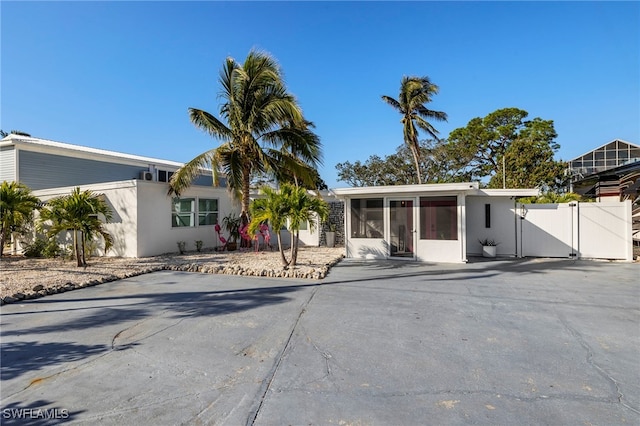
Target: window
{"points": [[183, 213], [487, 215], [438, 218], [207, 211], [164, 176], [366, 218]]}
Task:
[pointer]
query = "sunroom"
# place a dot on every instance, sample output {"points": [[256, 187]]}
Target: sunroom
{"points": [[426, 222]]}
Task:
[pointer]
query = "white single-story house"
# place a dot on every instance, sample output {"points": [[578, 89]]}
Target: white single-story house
{"points": [[429, 222], [446, 222]]}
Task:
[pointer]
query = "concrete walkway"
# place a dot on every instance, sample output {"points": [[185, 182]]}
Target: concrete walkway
{"points": [[382, 343]]}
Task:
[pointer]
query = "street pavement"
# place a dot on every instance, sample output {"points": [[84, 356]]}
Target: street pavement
{"points": [[503, 342]]}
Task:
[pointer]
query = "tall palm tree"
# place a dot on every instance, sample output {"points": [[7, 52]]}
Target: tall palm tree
{"points": [[79, 212], [262, 129], [291, 204], [415, 92], [17, 205]]}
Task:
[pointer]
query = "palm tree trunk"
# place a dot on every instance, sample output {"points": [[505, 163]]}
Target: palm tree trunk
{"points": [[84, 259], [294, 249], [76, 247], [285, 262], [416, 161], [3, 239], [246, 178]]}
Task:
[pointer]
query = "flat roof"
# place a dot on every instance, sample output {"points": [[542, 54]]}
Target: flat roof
{"points": [[468, 188], [406, 189]]}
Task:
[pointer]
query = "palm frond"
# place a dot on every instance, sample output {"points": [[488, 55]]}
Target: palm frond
{"points": [[186, 174], [210, 124]]}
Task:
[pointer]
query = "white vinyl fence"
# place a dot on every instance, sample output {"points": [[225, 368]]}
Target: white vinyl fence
{"points": [[576, 230]]}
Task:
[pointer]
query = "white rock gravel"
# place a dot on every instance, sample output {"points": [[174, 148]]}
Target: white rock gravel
{"points": [[22, 278]]}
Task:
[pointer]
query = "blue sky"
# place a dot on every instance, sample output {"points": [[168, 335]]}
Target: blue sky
{"points": [[121, 75]]}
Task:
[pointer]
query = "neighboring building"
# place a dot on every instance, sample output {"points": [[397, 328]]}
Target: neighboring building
{"points": [[611, 170], [146, 221]]}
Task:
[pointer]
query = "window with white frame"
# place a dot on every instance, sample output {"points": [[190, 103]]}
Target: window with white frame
{"points": [[183, 212], [438, 218], [366, 218], [207, 211]]}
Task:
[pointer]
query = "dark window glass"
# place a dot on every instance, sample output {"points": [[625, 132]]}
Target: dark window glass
{"points": [[438, 218]]}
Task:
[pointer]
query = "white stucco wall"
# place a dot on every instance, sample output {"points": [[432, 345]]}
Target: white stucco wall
{"points": [[502, 228], [155, 233], [367, 248], [121, 198], [308, 237]]}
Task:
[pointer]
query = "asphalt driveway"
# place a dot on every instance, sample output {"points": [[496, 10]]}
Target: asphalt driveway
{"points": [[381, 343]]}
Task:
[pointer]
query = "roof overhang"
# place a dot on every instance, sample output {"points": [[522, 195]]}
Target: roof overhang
{"points": [[529, 192], [466, 188], [406, 190]]}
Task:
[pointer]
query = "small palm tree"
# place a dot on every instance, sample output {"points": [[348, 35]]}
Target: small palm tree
{"points": [[303, 207], [79, 212], [290, 204], [17, 205], [262, 129], [415, 92], [271, 209]]}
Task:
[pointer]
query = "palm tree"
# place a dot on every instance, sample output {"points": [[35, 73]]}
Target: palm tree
{"points": [[262, 129], [415, 92], [290, 204], [303, 207], [17, 205], [79, 212], [271, 209]]}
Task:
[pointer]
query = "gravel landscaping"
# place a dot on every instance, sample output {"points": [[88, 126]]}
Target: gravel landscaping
{"points": [[22, 278]]}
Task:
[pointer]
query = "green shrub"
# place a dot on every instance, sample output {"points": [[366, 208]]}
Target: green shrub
{"points": [[53, 249], [42, 247], [36, 248]]}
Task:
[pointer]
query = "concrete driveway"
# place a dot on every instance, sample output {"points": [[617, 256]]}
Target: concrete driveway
{"points": [[381, 343]]}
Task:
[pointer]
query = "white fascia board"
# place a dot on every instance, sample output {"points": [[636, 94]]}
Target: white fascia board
{"points": [[406, 189], [533, 192]]}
